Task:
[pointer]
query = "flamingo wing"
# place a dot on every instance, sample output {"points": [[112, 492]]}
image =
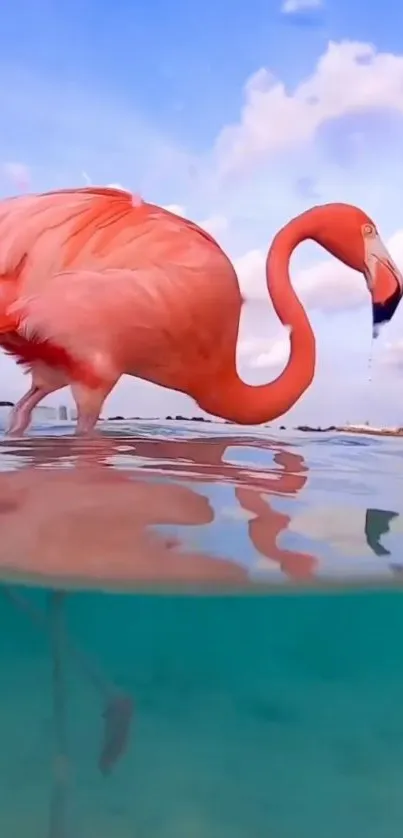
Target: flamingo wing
{"points": [[110, 322]]}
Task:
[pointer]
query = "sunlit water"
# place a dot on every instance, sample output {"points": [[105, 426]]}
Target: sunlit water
{"points": [[153, 685]]}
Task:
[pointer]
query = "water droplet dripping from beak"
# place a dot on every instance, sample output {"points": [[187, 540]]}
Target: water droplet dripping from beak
{"points": [[370, 361]]}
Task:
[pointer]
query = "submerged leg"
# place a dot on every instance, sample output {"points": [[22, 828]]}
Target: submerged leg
{"points": [[89, 404], [118, 705], [58, 806]]}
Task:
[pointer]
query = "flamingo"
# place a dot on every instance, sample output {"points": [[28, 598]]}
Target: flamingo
{"points": [[96, 283]]}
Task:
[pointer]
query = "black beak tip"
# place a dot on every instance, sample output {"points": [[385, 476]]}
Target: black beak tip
{"points": [[383, 312]]}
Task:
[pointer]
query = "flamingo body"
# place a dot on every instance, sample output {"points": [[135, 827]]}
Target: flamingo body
{"points": [[73, 311]]}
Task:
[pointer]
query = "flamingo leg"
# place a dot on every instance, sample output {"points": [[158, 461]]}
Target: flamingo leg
{"points": [[44, 382], [22, 412], [89, 404], [118, 705], [58, 805]]}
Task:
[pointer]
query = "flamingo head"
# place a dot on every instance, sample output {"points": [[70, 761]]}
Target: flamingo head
{"points": [[349, 234]]}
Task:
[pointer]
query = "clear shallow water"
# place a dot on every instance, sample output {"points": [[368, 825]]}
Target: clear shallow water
{"points": [[197, 714]]}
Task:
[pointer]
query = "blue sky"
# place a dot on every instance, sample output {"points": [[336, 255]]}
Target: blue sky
{"points": [[143, 94]]}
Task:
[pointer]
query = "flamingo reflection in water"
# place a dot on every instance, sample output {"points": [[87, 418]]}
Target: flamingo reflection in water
{"points": [[204, 460], [106, 504], [91, 526]]}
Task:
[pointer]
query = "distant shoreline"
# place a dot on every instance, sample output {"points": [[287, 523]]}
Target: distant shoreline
{"points": [[396, 432], [363, 430], [340, 429]]}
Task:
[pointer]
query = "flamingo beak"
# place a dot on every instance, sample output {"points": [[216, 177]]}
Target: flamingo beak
{"points": [[385, 283]]}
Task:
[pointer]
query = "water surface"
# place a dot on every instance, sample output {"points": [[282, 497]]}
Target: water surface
{"points": [[153, 686]]}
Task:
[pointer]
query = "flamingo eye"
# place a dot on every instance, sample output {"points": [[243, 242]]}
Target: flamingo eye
{"points": [[369, 230]]}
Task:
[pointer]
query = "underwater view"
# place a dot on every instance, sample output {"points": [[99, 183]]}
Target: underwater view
{"points": [[201, 634]]}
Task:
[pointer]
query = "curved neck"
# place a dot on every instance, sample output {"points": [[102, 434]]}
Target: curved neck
{"points": [[233, 399]]}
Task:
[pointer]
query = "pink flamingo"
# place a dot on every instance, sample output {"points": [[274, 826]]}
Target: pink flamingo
{"points": [[95, 283]]}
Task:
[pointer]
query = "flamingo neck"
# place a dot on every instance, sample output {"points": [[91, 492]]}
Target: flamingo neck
{"points": [[233, 399], [300, 369]]}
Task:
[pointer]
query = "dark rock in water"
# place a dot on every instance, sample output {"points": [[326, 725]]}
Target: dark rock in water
{"points": [[308, 429], [377, 524]]}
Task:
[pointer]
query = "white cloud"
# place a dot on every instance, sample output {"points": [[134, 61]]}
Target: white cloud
{"points": [[261, 353], [250, 270], [289, 7], [331, 286], [176, 209], [327, 285], [349, 77], [17, 173], [215, 224], [275, 355]]}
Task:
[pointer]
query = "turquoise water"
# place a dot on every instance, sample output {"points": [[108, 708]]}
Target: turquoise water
{"points": [[153, 682]]}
